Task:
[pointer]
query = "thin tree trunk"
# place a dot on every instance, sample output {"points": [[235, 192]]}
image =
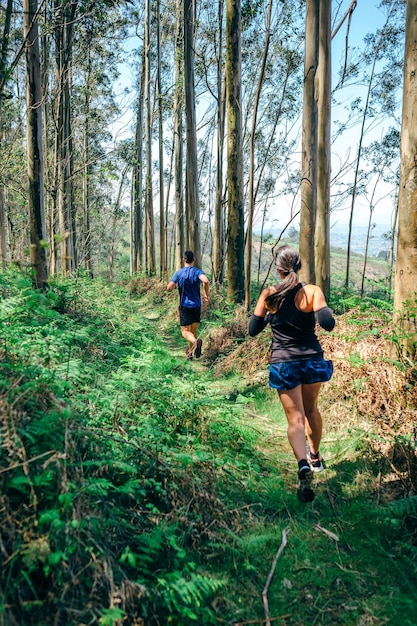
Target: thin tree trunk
{"points": [[34, 145], [405, 295], [218, 238], [248, 258], [359, 153], [235, 238], [368, 234], [150, 231], [3, 78], [86, 232], [63, 44], [192, 206], [309, 145], [322, 228], [114, 222], [178, 139], [162, 241], [137, 204]]}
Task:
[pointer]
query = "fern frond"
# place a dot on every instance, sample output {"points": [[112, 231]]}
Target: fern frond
{"points": [[404, 507]]}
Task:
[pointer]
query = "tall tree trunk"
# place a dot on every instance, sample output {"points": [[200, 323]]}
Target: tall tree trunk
{"points": [[178, 139], [368, 233], [150, 231], [3, 78], [322, 228], [309, 145], [235, 230], [86, 231], [65, 13], [251, 198], [218, 239], [34, 144], [162, 248], [114, 222], [192, 206], [405, 296], [378, 49], [50, 203], [137, 204]]}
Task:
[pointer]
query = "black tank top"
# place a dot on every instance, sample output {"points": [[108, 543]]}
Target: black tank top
{"points": [[293, 332]]}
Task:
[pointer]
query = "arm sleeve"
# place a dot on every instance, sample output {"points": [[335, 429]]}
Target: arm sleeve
{"points": [[256, 324], [325, 318]]}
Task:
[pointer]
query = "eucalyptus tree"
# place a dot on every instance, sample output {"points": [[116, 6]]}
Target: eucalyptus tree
{"points": [[251, 199], [136, 231], [192, 204], [64, 14], [3, 80], [96, 52], [322, 225], [219, 227], [235, 225], [162, 229], [309, 158], [382, 63], [178, 133], [383, 156], [150, 229], [37, 226], [405, 296]]}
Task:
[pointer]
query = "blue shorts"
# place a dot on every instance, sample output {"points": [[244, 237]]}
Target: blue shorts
{"points": [[287, 375]]}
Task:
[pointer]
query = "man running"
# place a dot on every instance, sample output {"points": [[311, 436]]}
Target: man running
{"points": [[189, 280]]}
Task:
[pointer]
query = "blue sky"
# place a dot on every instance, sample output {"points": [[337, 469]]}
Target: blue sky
{"points": [[366, 17]]}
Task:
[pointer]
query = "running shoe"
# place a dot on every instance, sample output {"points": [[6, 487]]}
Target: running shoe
{"points": [[197, 348], [315, 460], [304, 491]]}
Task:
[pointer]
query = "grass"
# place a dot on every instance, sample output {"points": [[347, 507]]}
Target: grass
{"points": [[164, 487]]}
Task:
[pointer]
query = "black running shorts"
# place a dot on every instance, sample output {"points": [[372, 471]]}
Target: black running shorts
{"points": [[189, 316]]}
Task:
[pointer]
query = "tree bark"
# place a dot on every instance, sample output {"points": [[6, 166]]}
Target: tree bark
{"points": [[65, 13], [405, 296], [178, 138], [137, 204], [34, 145], [3, 65], [309, 145], [162, 240], [218, 239], [322, 228], [150, 231], [235, 237], [192, 207], [251, 198]]}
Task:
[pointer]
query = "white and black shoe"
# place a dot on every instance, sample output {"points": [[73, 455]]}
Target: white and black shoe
{"points": [[305, 492]]}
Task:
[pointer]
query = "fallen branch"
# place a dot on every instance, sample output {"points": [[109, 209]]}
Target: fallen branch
{"points": [[270, 575], [326, 532], [24, 463]]}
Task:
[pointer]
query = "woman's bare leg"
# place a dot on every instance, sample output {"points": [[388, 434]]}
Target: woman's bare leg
{"points": [[292, 402], [314, 424]]}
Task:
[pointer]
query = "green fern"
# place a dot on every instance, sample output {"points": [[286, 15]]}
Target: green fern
{"points": [[404, 507]]}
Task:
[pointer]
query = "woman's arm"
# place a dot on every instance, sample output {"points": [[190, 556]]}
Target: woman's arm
{"points": [[323, 313], [258, 322]]}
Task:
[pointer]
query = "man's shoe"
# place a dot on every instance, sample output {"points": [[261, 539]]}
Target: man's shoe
{"points": [[315, 460], [188, 354], [197, 348], [304, 491]]}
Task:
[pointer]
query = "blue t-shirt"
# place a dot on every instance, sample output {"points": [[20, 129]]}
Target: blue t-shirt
{"points": [[188, 282]]}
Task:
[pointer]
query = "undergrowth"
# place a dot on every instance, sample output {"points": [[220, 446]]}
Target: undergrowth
{"points": [[138, 488]]}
